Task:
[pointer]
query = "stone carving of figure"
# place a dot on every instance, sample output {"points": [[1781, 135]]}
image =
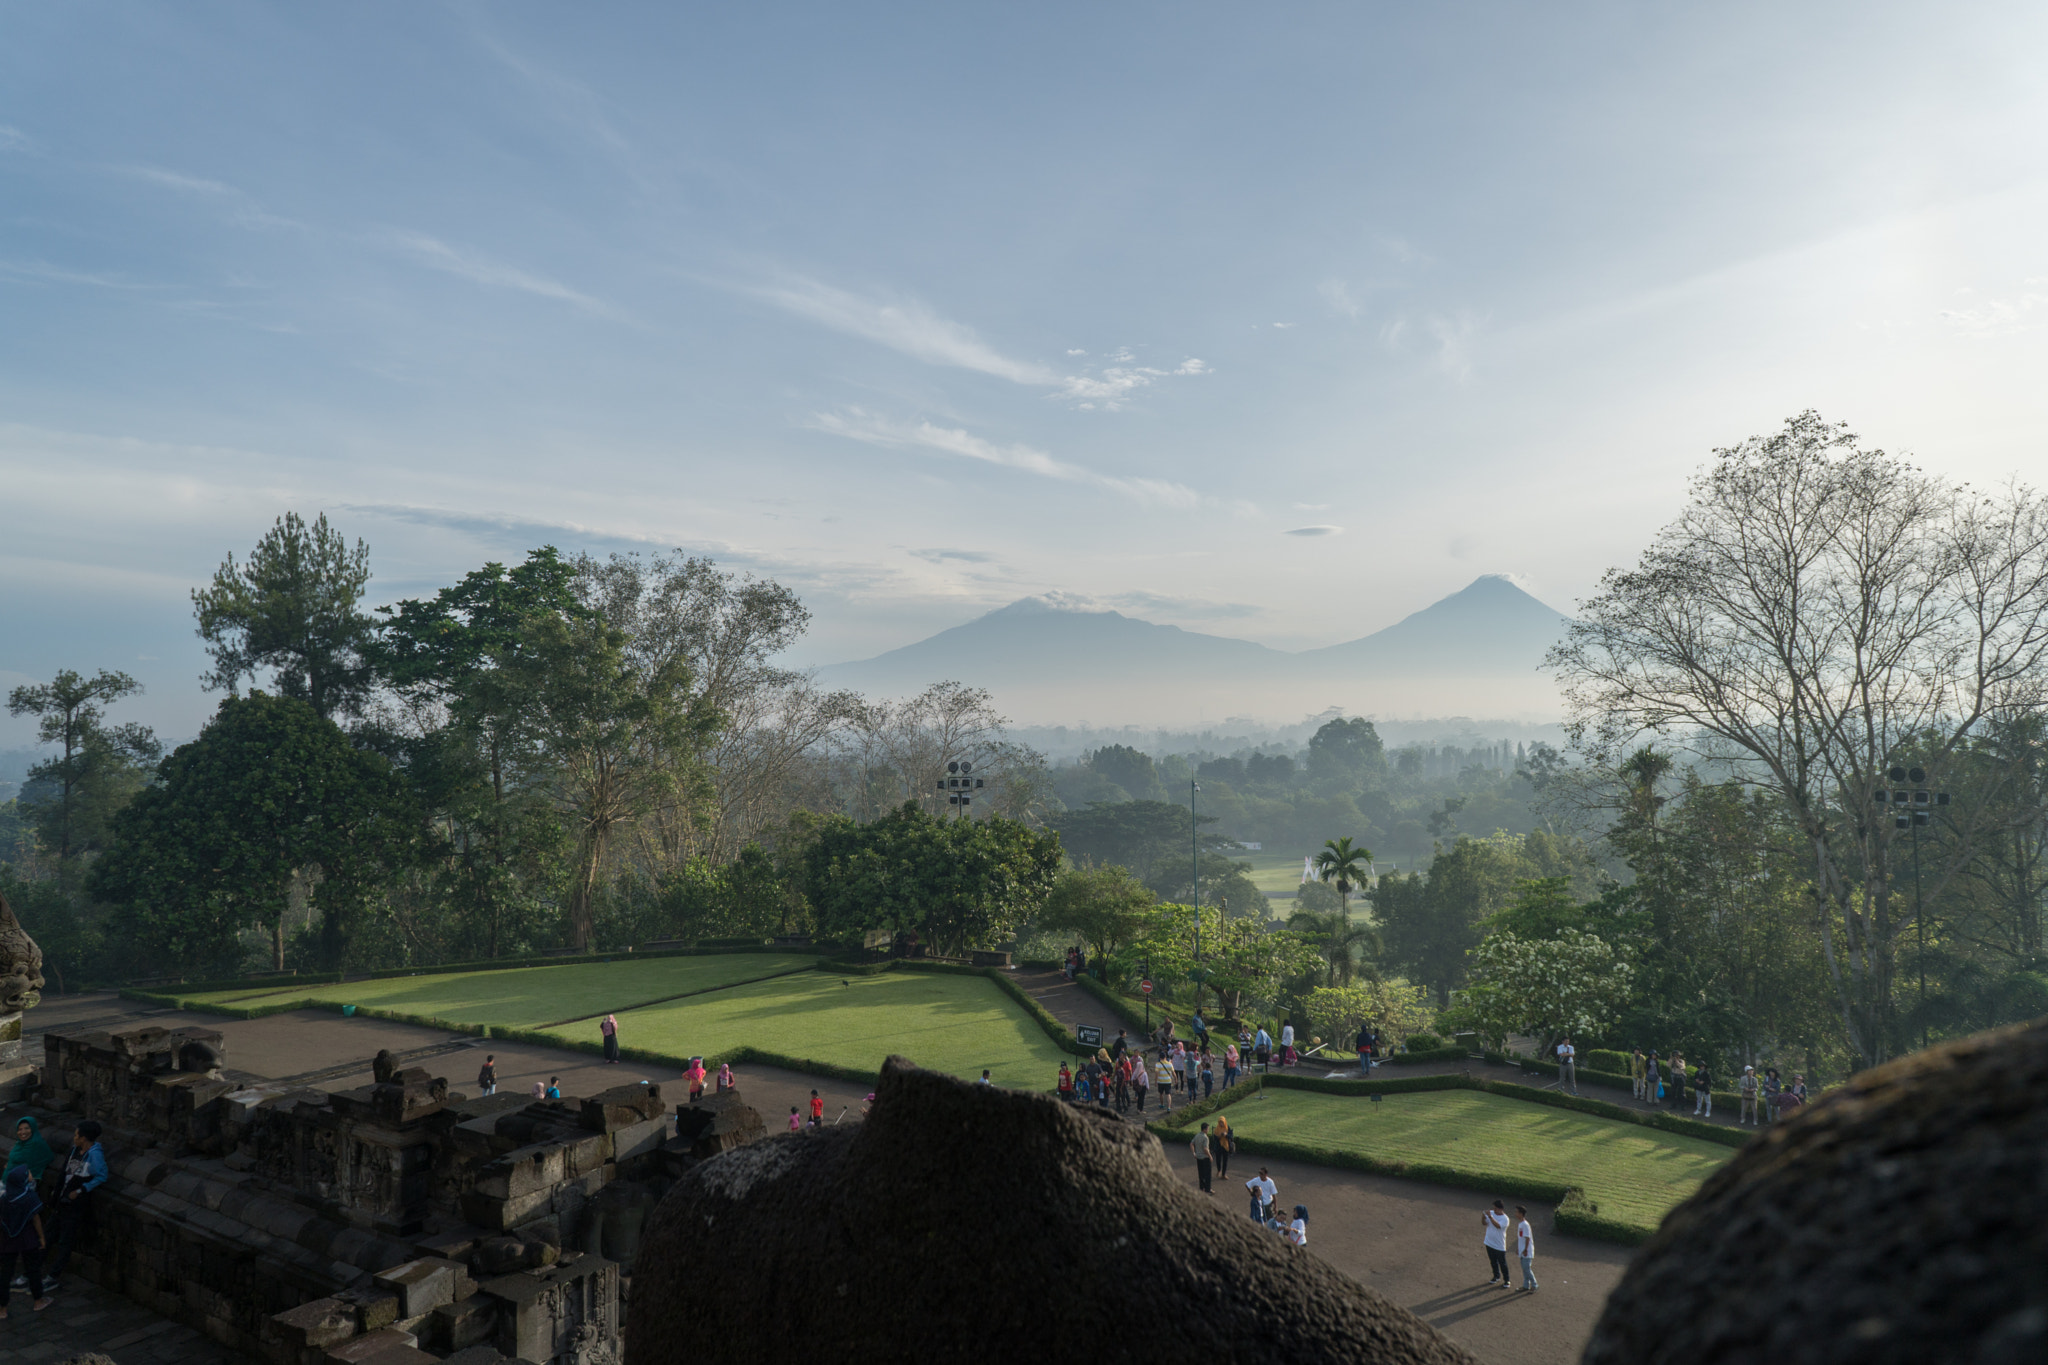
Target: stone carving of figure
{"points": [[21, 964]]}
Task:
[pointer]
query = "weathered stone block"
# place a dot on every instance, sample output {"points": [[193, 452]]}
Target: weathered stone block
{"points": [[523, 1172], [372, 1346], [376, 1307], [621, 1105], [457, 1326], [502, 1215], [425, 1284], [640, 1139], [318, 1325]]}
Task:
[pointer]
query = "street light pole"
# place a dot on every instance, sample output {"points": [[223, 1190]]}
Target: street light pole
{"points": [[1922, 803], [1195, 868]]}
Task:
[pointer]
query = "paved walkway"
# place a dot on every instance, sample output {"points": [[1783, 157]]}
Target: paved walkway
{"points": [[83, 1317]]}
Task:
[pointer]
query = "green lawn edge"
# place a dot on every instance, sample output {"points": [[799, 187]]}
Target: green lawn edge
{"points": [[1575, 1213], [1037, 1013]]}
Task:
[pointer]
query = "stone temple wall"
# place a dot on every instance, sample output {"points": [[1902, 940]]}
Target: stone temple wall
{"points": [[389, 1224]]}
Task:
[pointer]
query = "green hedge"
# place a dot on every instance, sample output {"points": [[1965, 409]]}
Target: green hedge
{"points": [[1578, 1216], [1612, 1080], [1434, 1054], [1040, 1015]]}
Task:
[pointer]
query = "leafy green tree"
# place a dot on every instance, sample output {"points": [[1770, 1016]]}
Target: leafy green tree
{"points": [[1345, 867], [465, 656], [1394, 1008], [292, 608], [1105, 907], [1546, 989], [1139, 835], [955, 883], [1346, 945], [1431, 922], [270, 801], [620, 738], [99, 767], [1347, 751], [1130, 769]]}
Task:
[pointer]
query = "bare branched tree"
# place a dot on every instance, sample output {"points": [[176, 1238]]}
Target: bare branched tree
{"points": [[894, 752], [1818, 610]]}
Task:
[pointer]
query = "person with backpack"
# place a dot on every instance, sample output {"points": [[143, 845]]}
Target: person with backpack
{"points": [[1636, 1072], [85, 1170], [487, 1077], [1703, 1092], [1651, 1083], [22, 1237]]}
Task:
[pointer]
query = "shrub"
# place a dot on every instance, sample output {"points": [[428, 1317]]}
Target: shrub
{"points": [[1424, 1042]]}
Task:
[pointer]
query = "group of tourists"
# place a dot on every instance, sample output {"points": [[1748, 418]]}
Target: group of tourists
{"points": [[1764, 1099], [1497, 1224], [30, 1224], [696, 1073], [1265, 1208], [1124, 1076]]}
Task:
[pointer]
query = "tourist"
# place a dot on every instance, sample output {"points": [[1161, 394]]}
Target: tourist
{"points": [[1785, 1103], [1287, 1044], [1141, 1080], [728, 1082], [609, 1031], [1677, 1089], [817, 1110], [1636, 1073], [796, 1120], [554, 1088], [1364, 1048], [1264, 1192], [487, 1077], [1200, 1147], [1199, 1028], [1703, 1092], [1162, 1074], [1262, 1047], [1297, 1231], [1066, 1083], [1122, 1045], [694, 1074], [1799, 1086], [1770, 1088], [1567, 1065], [85, 1170], [1525, 1248], [1496, 1237], [1208, 1072], [1372, 1050], [984, 1078], [1651, 1084], [22, 1237], [1123, 1084], [29, 1149], [1220, 1144], [1180, 1067], [540, 1090], [1746, 1090], [1230, 1061]]}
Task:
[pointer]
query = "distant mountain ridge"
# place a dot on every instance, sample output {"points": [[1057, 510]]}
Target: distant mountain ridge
{"points": [[1057, 661]]}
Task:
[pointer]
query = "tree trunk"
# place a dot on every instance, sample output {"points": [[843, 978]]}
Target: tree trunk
{"points": [[277, 944], [582, 917]]}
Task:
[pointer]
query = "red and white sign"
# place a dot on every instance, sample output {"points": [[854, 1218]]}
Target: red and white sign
{"points": [[1145, 986]]}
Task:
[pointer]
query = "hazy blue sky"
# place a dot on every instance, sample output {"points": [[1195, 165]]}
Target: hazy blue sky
{"points": [[1277, 321]]}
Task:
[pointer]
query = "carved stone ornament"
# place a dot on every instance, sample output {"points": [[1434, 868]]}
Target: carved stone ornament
{"points": [[21, 964]]}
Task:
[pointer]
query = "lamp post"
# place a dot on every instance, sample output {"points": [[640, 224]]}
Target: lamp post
{"points": [[1913, 809], [959, 787], [1195, 868]]}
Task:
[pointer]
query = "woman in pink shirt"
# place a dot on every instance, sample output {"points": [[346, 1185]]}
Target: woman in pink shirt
{"points": [[694, 1074]]}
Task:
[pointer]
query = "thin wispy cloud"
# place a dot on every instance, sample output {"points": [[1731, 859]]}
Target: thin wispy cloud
{"points": [[1316, 531], [1338, 294], [174, 180], [45, 273], [954, 556], [479, 269], [12, 139], [858, 425], [910, 327], [919, 331]]}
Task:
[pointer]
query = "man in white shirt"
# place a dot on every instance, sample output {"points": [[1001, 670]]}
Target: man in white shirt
{"points": [[1496, 1221], [1567, 1065], [1264, 1192], [1525, 1247]]}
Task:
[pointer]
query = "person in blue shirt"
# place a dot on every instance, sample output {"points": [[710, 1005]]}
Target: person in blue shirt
{"points": [[85, 1170]]}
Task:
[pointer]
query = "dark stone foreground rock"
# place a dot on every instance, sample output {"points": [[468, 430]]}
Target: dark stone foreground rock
{"points": [[961, 1222], [1902, 1218]]}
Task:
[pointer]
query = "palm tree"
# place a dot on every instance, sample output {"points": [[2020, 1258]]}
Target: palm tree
{"points": [[1344, 867]]}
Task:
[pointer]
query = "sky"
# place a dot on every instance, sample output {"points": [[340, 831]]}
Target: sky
{"points": [[1275, 322]]}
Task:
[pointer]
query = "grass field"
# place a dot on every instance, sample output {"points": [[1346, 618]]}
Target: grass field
{"points": [[943, 1022], [1634, 1174], [530, 996]]}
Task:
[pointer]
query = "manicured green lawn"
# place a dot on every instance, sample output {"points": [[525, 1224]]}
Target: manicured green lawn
{"points": [[1634, 1174], [529, 996], [956, 1024]]}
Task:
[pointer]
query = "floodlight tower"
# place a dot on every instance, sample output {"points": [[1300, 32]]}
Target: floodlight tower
{"points": [[1914, 809], [959, 786]]}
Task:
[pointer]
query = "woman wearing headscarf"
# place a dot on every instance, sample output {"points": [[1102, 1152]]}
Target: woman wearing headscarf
{"points": [[1220, 1141], [1141, 1079], [726, 1082], [694, 1074], [21, 1236], [29, 1149], [609, 1029]]}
